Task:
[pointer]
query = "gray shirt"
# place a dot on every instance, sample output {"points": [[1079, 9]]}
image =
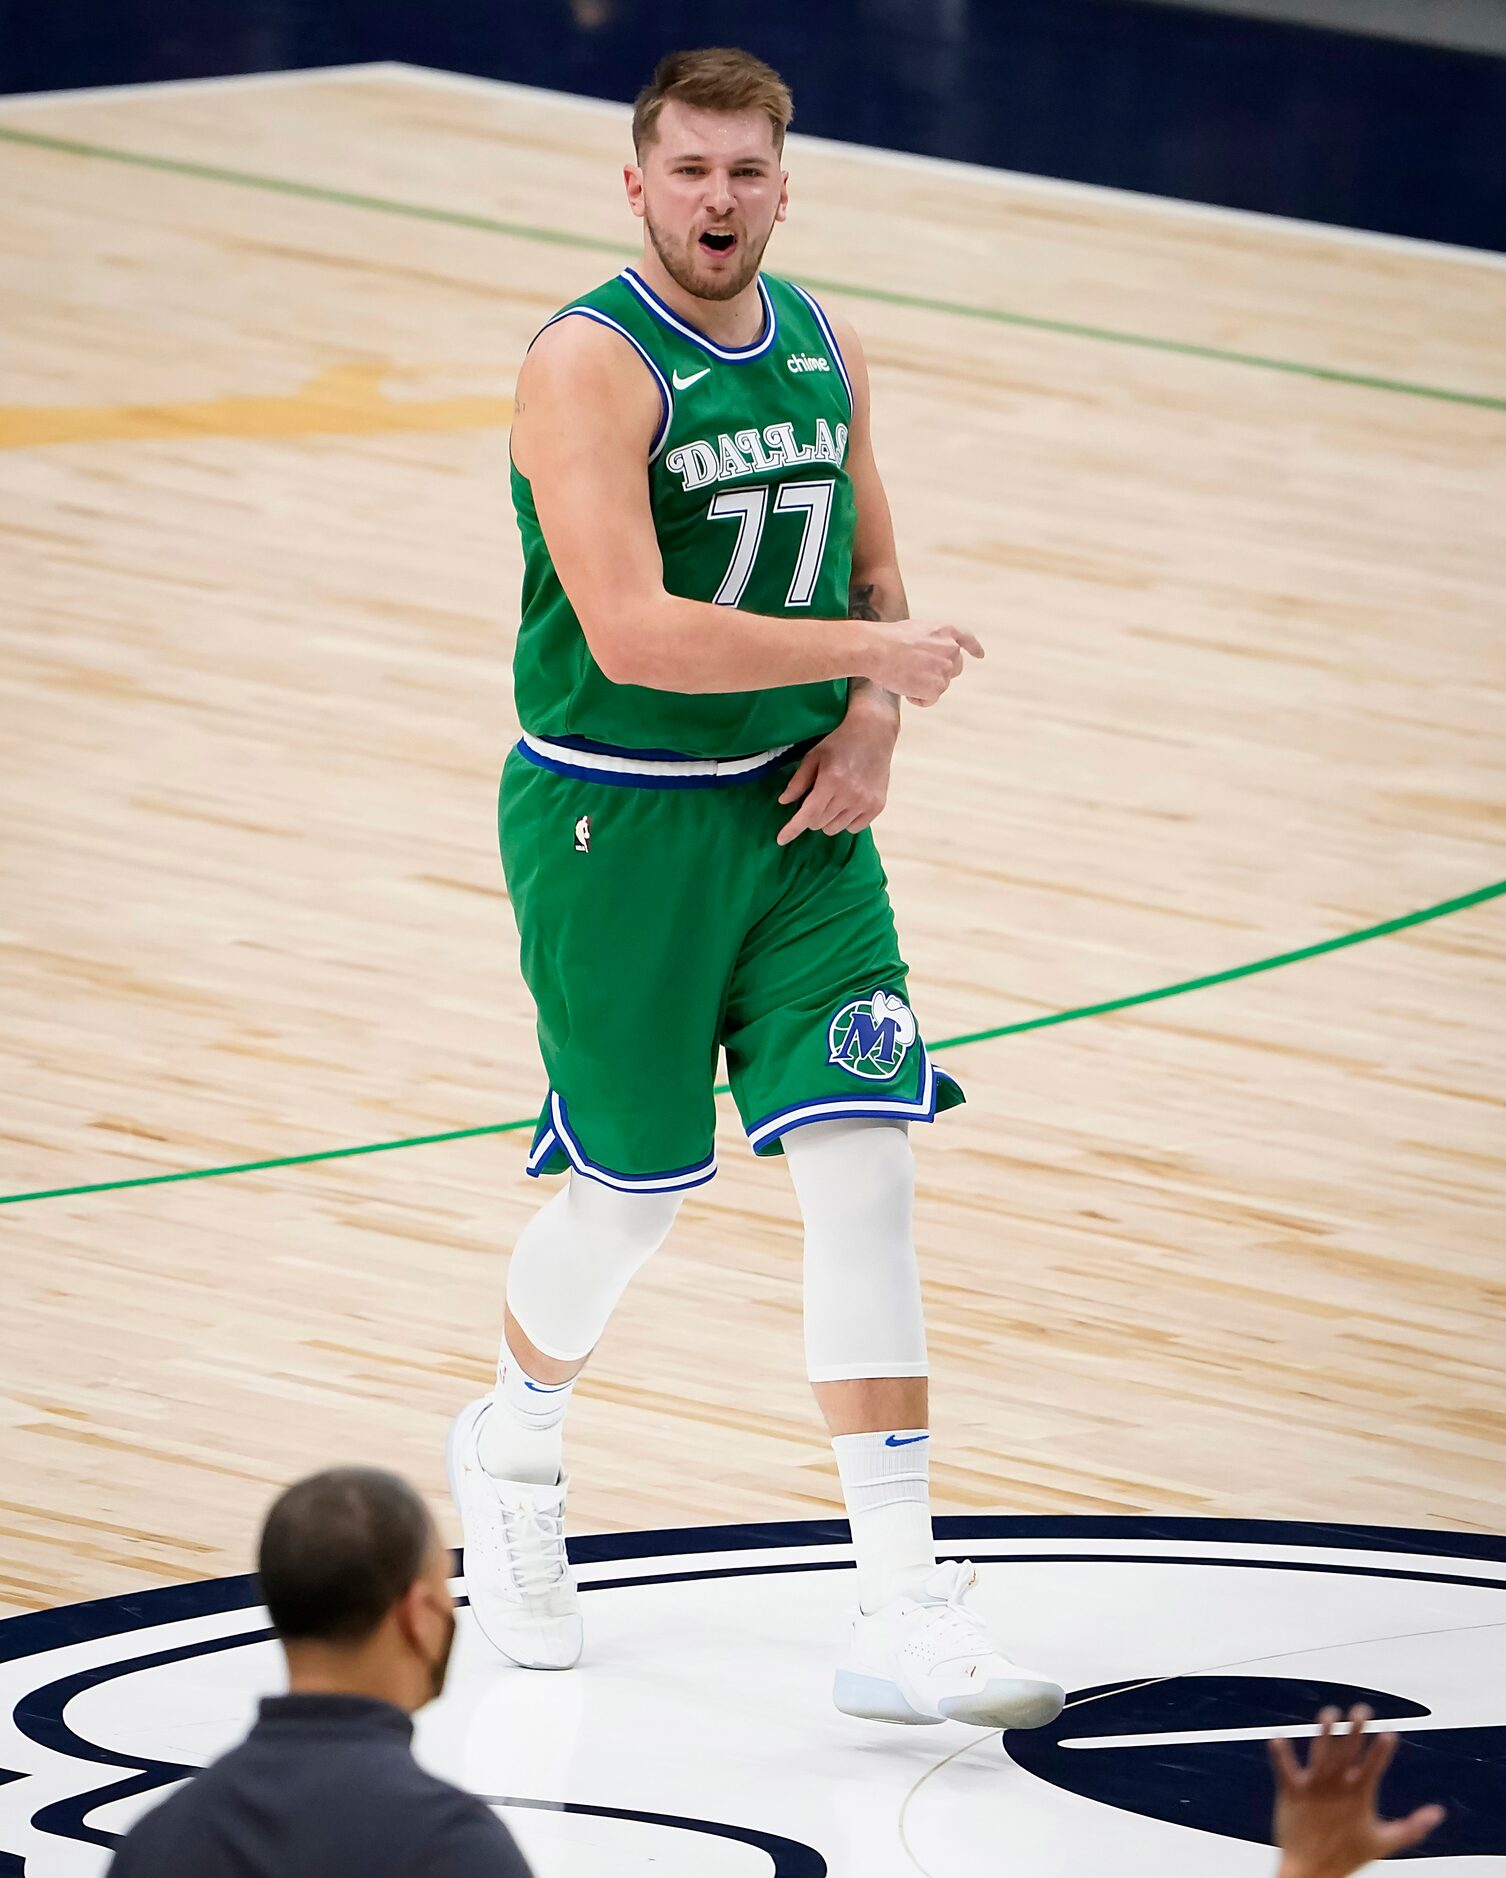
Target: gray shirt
{"points": [[323, 1786]]}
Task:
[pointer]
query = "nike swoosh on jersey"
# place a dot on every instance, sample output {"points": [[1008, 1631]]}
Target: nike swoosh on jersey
{"points": [[684, 384]]}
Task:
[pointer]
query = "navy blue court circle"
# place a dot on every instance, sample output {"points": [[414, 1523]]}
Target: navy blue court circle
{"points": [[1218, 1786]]}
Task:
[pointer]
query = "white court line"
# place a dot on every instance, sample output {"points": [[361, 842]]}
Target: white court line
{"points": [[1150, 1682], [1102, 194], [1224, 1553], [155, 87]]}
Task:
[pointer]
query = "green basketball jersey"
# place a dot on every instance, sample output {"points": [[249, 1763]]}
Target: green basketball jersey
{"points": [[752, 506]]}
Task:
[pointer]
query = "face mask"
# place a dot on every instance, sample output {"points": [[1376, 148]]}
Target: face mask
{"points": [[439, 1668]]}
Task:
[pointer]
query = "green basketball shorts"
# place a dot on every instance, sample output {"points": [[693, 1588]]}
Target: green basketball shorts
{"points": [[660, 920]]}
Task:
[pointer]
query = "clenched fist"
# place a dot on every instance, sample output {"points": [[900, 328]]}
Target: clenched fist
{"points": [[918, 659]]}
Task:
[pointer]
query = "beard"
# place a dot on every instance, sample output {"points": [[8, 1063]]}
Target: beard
{"points": [[682, 262], [440, 1667]]}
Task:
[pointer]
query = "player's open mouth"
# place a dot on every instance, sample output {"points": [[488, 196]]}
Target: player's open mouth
{"points": [[718, 241]]}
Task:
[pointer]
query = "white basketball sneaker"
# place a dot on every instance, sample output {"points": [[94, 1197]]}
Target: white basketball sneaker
{"points": [[931, 1659], [517, 1575]]}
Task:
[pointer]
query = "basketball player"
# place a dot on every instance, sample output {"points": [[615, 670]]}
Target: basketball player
{"points": [[714, 629]]}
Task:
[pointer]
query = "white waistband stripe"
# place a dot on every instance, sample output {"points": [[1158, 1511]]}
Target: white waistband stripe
{"points": [[609, 764]]}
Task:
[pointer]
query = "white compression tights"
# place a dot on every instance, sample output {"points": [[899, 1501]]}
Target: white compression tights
{"points": [[575, 1258], [855, 1181]]}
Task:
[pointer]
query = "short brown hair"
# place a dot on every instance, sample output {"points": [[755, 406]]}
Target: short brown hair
{"points": [[716, 78]]}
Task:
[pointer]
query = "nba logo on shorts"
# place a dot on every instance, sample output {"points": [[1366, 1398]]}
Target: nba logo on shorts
{"points": [[872, 1036]]}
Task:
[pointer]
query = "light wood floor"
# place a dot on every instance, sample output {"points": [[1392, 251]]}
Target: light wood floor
{"points": [[1239, 1252]]}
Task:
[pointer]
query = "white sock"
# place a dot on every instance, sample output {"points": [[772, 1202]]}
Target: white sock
{"points": [[886, 1482], [524, 1436]]}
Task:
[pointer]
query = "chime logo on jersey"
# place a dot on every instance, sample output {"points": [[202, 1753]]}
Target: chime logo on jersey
{"points": [[1187, 1643], [750, 452], [871, 1037]]}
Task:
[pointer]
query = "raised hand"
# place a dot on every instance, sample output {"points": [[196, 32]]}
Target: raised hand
{"points": [[1327, 1823]]}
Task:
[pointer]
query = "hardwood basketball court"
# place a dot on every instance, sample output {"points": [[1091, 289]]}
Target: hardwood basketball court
{"points": [[1223, 496]]}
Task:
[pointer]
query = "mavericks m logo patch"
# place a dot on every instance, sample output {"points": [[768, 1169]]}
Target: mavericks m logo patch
{"points": [[871, 1037]]}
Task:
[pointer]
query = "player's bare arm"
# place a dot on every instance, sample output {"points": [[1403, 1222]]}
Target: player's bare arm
{"points": [[843, 783], [876, 590], [586, 417]]}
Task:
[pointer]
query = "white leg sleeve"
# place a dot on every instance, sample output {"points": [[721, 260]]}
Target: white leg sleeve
{"points": [[855, 1181], [574, 1259]]}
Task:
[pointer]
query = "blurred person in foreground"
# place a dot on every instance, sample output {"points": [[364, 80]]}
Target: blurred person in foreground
{"points": [[356, 1583], [1327, 1819]]}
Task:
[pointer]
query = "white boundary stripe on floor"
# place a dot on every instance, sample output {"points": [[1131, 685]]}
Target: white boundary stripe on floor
{"points": [[942, 167], [158, 87], [1008, 1551]]}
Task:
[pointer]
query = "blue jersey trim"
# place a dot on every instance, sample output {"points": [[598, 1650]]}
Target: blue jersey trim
{"points": [[616, 779], [545, 1141], [666, 398], [830, 337], [831, 1108], [729, 355], [927, 1072], [581, 1162], [590, 745]]}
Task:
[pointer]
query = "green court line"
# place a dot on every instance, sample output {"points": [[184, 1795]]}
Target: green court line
{"points": [[485, 224], [1400, 924], [561, 238]]}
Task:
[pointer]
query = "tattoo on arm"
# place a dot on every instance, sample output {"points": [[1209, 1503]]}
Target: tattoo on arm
{"points": [[862, 603], [880, 599]]}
